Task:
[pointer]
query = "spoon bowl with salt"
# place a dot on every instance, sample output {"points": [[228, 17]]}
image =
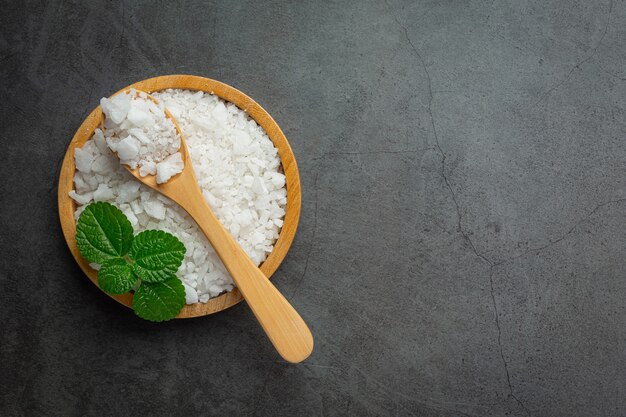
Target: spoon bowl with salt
{"points": [[285, 328]]}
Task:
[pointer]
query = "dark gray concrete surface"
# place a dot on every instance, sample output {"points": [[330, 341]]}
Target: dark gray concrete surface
{"points": [[462, 245]]}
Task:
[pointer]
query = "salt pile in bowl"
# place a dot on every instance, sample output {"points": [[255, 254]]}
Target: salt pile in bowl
{"points": [[237, 167], [137, 129]]}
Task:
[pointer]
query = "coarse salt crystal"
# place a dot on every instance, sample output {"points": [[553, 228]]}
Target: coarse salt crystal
{"points": [[155, 209], [138, 130], [83, 160], [103, 193], [127, 149], [191, 294], [169, 167], [81, 198]]}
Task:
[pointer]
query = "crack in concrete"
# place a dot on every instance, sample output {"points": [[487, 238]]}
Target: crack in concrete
{"points": [[577, 66], [571, 229], [553, 242], [506, 365], [459, 213], [438, 146], [308, 256]]}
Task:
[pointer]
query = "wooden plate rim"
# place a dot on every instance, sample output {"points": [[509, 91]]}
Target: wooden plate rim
{"points": [[67, 206]]}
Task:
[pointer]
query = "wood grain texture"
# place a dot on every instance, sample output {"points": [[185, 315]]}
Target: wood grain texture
{"points": [[67, 206]]}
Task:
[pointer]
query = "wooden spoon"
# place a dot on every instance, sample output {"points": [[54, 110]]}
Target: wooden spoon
{"points": [[283, 325]]}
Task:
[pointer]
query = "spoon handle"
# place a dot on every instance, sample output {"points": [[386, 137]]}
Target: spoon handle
{"points": [[283, 325]]}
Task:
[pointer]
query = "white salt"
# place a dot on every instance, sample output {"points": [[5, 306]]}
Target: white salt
{"points": [[103, 193], [237, 167], [83, 160], [141, 134], [169, 167]]}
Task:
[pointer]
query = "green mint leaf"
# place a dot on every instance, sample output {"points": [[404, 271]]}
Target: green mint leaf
{"points": [[115, 276], [159, 301], [103, 232], [157, 255]]}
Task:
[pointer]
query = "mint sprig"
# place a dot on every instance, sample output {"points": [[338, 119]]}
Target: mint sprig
{"points": [[105, 236], [157, 255], [115, 276], [103, 232], [159, 301]]}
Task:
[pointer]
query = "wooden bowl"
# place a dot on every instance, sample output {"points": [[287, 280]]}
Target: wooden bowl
{"points": [[67, 206]]}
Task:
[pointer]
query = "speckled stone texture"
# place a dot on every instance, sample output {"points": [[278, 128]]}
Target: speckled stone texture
{"points": [[462, 244]]}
